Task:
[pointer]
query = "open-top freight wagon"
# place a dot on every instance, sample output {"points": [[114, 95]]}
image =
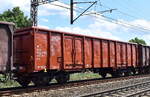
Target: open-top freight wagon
{"points": [[41, 55], [6, 47]]}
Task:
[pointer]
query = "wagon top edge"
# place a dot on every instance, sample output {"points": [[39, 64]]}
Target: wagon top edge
{"points": [[65, 32], [6, 23]]}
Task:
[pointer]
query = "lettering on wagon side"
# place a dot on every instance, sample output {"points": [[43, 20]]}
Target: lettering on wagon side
{"points": [[39, 52], [55, 40]]}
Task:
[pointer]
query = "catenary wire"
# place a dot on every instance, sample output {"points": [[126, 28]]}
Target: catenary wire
{"points": [[111, 20]]}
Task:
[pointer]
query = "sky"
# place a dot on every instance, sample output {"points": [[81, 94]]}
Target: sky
{"points": [[130, 19]]}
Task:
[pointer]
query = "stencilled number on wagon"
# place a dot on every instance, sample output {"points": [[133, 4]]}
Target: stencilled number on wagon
{"points": [[40, 53], [41, 67], [55, 40]]}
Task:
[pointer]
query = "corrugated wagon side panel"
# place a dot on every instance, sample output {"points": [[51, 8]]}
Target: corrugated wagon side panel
{"points": [[4, 47], [129, 57], [55, 51], [112, 54], [78, 52], [24, 51], [16, 47], [97, 54], [118, 55], [124, 62], [137, 54], [73, 52], [27, 52], [68, 52], [41, 46], [140, 55], [144, 57], [147, 54], [105, 53], [88, 53], [6, 38], [134, 55]]}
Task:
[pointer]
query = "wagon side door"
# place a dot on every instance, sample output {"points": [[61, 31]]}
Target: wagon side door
{"points": [[78, 55], [68, 52], [73, 52]]}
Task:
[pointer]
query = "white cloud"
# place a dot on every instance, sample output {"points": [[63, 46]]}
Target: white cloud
{"points": [[44, 20], [146, 37], [142, 23], [103, 25], [8, 4], [55, 8], [94, 29], [44, 10], [24, 4], [43, 26], [104, 29]]}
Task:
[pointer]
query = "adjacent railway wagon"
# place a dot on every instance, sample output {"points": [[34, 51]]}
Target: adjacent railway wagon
{"points": [[144, 59], [41, 55], [6, 45]]}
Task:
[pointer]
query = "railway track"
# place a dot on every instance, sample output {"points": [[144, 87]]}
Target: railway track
{"points": [[71, 84], [137, 90]]}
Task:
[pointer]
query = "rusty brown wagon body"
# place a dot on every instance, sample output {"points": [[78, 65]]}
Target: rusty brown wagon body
{"points": [[47, 49], [38, 50], [144, 58], [6, 46]]}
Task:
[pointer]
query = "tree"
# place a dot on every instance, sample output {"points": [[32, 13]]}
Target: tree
{"points": [[138, 41], [16, 16]]}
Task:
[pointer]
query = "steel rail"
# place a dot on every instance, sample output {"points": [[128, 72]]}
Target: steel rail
{"points": [[110, 93], [71, 84]]}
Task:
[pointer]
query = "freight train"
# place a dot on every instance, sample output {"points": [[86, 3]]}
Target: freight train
{"points": [[40, 55]]}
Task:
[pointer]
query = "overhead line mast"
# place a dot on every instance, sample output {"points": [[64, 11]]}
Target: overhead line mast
{"points": [[72, 20], [34, 9], [36, 3]]}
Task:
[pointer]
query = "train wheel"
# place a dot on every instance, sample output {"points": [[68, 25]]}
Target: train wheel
{"points": [[103, 75], [114, 74], [121, 73], [62, 78], [136, 71], [41, 80], [128, 72], [24, 82], [141, 70], [148, 71]]}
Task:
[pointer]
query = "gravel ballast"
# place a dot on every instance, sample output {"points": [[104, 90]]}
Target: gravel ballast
{"points": [[87, 89]]}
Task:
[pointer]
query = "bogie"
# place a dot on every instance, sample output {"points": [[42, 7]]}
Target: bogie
{"points": [[23, 81], [62, 77], [41, 79]]}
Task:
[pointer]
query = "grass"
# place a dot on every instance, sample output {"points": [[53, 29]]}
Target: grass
{"points": [[84, 76], [81, 76], [9, 84]]}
